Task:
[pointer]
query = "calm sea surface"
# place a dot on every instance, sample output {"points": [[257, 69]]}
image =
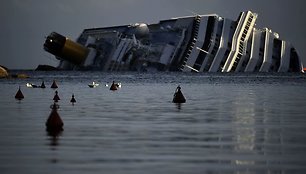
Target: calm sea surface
{"points": [[243, 123]]}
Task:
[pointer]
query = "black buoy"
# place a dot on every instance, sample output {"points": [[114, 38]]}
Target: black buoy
{"points": [[54, 85], [54, 122], [56, 97], [19, 95], [113, 87], [178, 96], [43, 85], [72, 99]]}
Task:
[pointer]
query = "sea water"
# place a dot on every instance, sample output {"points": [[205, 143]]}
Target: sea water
{"points": [[231, 123]]}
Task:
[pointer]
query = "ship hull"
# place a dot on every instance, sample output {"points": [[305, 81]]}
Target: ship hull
{"points": [[202, 43]]}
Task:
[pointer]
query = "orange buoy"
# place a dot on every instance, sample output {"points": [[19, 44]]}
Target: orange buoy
{"points": [[113, 87], [56, 97], [178, 96], [19, 95], [54, 121], [43, 85], [54, 85], [72, 99]]}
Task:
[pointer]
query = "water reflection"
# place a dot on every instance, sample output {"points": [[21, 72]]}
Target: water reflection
{"points": [[54, 123], [53, 136], [257, 132], [178, 106]]}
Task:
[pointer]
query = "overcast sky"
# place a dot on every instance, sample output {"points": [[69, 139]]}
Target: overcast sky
{"points": [[25, 23]]}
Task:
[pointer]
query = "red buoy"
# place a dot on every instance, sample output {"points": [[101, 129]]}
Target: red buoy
{"points": [[113, 87], [56, 97], [54, 85], [54, 121], [178, 96], [19, 95], [72, 99]]}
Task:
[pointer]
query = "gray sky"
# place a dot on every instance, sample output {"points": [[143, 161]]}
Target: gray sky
{"points": [[25, 23]]}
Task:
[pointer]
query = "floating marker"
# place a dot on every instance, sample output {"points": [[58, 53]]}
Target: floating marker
{"points": [[19, 95], [43, 85], [178, 96], [113, 86], [54, 85], [56, 97], [72, 99], [54, 122]]}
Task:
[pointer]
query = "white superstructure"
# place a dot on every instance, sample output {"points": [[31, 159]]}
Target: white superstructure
{"points": [[200, 43]]}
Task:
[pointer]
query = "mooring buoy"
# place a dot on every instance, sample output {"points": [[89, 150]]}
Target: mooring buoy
{"points": [[178, 96], [56, 97], [19, 95], [43, 84], [54, 122], [54, 85], [113, 87], [72, 99]]}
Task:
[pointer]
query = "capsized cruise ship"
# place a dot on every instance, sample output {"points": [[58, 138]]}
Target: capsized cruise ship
{"points": [[199, 43]]}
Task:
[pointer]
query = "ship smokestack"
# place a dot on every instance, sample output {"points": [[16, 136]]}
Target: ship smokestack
{"points": [[65, 49]]}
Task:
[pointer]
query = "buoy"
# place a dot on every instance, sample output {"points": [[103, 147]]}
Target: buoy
{"points": [[72, 99], [54, 122], [56, 97], [19, 95], [54, 85], [43, 85], [178, 96], [113, 86]]}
